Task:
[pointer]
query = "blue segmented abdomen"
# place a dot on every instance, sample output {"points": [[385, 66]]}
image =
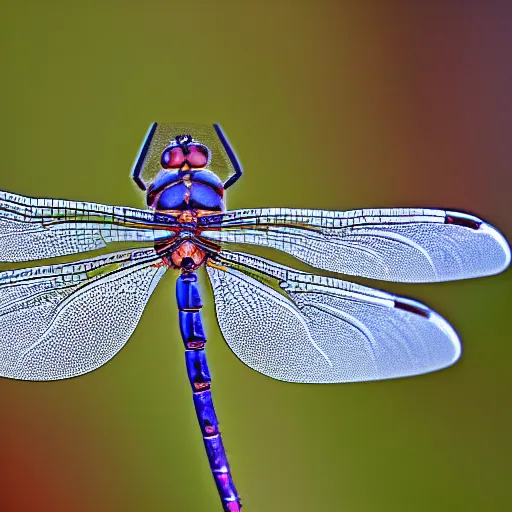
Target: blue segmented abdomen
{"points": [[189, 304]]}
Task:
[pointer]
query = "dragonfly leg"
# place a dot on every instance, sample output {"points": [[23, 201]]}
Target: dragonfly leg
{"points": [[189, 305], [231, 154]]}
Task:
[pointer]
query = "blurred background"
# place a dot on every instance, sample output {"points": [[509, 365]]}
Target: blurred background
{"points": [[334, 105]]}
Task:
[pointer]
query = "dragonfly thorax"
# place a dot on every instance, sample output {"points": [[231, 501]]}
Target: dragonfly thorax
{"points": [[186, 250], [187, 256], [186, 189]]}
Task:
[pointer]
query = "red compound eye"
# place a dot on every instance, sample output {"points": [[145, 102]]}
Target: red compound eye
{"points": [[174, 158], [198, 156]]}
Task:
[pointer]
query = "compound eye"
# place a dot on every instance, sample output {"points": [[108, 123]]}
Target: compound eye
{"points": [[197, 156], [172, 158]]}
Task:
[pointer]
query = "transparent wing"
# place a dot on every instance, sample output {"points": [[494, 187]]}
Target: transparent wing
{"points": [[61, 321], [32, 229], [299, 327], [400, 244]]}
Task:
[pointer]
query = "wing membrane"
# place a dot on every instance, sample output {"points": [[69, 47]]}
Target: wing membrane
{"points": [[61, 321], [399, 244], [299, 327], [32, 229]]}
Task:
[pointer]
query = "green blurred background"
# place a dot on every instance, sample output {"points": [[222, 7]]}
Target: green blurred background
{"points": [[328, 105]]}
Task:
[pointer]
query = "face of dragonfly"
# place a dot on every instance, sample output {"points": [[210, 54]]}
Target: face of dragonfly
{"points": [[66, 319], [184, 153]]}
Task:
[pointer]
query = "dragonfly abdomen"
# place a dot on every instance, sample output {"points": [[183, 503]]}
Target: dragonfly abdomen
{"points": [[192, 332]]}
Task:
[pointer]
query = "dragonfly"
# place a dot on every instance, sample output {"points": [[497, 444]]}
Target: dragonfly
{"points": [[66, 319]]}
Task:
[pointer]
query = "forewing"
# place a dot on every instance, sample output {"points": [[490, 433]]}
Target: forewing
{"points": [[400, 244], [299, 327], [61, 321], [32, 229]]}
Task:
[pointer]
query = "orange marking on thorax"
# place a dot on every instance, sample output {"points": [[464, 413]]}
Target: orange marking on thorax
{"points": [[187, 216], [190, 250]]}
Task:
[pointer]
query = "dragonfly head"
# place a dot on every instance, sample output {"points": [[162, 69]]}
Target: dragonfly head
{"points": [[202, 148], [184, 153]]}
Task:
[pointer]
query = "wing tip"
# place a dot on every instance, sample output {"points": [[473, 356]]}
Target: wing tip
{"points": [[472, 222], [417, 308], [453, 337], [502, 242]]}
